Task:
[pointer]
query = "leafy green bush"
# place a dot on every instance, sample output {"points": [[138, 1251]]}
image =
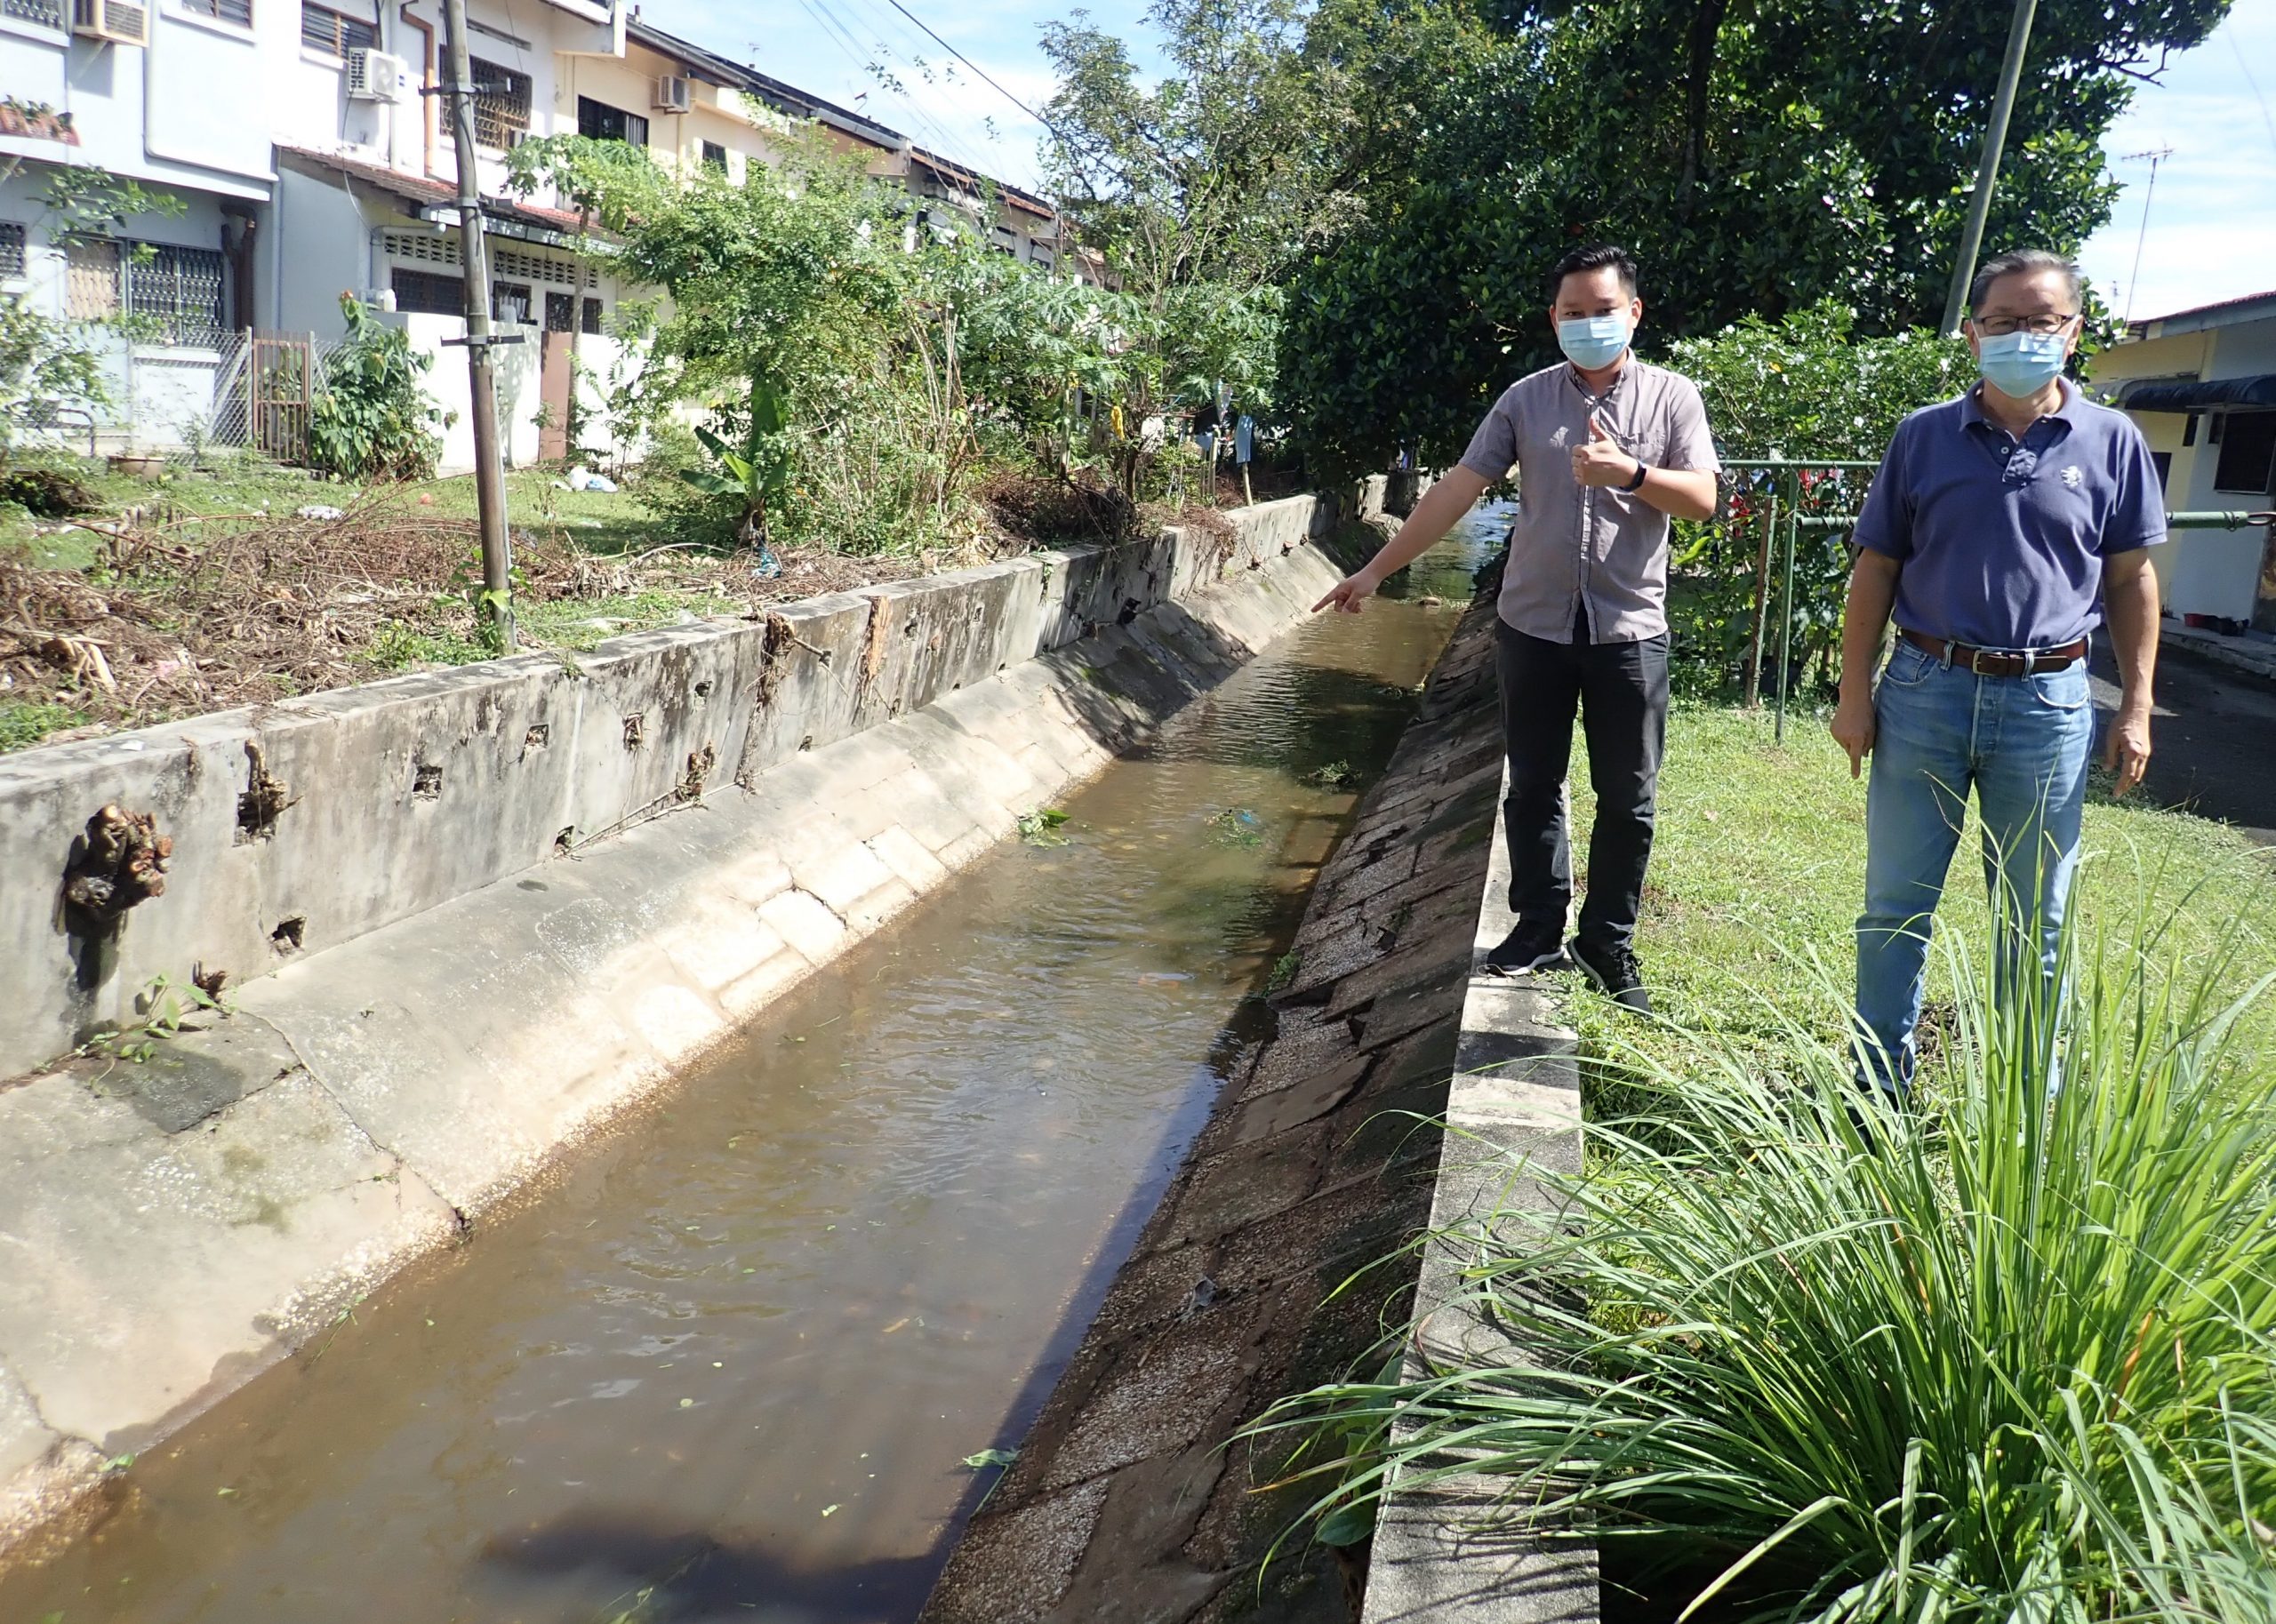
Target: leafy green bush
{"points": [[1811, 386], [2015, 1360], [1808, 385], [372, 420]]}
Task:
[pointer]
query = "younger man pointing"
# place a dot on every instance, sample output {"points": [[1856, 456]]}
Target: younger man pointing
{"points": [[1606, 449]]}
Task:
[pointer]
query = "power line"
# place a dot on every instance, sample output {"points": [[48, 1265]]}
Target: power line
{"points": [[841, 35], [2242, 67], [975, 66], [874, 21]]}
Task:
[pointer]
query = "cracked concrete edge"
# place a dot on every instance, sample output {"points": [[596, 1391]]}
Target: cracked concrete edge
{"points": [[1455, 1557], [440, 1064], [403, 794]]}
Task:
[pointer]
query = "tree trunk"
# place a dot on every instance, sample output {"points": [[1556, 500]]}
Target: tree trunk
{"points": [[1706, 25]]}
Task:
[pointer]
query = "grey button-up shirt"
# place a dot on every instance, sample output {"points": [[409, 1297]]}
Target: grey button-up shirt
{"points": [[1575, 546]]}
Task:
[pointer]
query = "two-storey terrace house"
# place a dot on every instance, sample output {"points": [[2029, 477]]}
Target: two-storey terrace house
{"points": [[314, 160], [2202, 385], [367, 186], [130, 88]]}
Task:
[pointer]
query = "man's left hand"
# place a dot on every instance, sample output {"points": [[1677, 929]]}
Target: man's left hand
{"points": [[1600, 462], [2126, 752]]}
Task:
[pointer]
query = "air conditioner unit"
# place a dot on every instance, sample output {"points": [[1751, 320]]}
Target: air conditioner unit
{"points": [[673, 94], [121, 22], [374, 76]]}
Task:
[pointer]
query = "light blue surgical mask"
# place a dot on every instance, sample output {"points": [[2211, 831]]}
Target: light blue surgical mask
{"points": [[2021, 364], [1592, 342]]}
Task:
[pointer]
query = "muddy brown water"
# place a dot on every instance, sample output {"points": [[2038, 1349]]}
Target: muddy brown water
{"points": [[729, 1363]]}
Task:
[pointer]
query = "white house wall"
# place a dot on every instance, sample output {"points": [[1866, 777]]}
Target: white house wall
{"points": [[322, 248], [149, 113], [2199, 571]]}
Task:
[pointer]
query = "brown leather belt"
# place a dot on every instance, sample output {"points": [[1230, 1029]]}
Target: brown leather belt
{"points": [[1996, 662]]}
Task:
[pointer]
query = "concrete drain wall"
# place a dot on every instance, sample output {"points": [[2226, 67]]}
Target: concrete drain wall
{"points": [[1132, 1498], [460, 930]]}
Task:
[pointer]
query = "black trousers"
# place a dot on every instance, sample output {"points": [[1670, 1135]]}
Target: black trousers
{"points": [[1621, 691]]}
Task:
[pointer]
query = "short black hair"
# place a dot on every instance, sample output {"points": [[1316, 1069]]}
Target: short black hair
{"points": [[2013, 262], [1596, 256]]}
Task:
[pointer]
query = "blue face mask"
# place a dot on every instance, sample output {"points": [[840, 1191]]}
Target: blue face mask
{"points": [[1592, 342], [2021, 364]]}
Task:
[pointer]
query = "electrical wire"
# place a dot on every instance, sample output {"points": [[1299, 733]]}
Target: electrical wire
{"points": [[975, 66], [870, 14], [841, 35], [2243, 68]]}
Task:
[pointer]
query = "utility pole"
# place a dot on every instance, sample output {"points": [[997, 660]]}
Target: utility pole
{"points": [[2156, 156], [1971, 240], [482, 373]]}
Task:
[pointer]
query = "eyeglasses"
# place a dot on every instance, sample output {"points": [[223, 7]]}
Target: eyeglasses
{"points": [[2045, 325]]}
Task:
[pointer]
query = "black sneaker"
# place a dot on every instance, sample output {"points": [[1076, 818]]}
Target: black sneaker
{"points": [[1615, 972], [1528, 948]]}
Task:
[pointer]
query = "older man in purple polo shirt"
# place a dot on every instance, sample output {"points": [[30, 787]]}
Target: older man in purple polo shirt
{"points": [[2002, 528]]}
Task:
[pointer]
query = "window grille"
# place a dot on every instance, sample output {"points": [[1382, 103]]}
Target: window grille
{"points": [[46, 13], [12, 248], [180, 287], [335, 33], [502, 105], [715, 157], [560, 312], [592, 315], [425, 294], [597, 120], [510, 301], [238, 12]]}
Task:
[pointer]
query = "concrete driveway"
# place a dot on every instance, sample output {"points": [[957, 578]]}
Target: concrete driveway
{"points": [[2213, 745]]}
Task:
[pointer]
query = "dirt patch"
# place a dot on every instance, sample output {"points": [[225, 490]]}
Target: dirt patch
{"points": [[1046, 511], [182, 614]]}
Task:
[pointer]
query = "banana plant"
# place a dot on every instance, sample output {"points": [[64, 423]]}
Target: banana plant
{"points": [[758, 471]]}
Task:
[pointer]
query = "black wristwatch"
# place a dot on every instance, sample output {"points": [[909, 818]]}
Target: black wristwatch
{"points": [[1637, 484]]}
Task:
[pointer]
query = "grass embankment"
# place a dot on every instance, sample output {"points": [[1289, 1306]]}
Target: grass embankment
{"points": [[1784, 1356], [1758, 875]]}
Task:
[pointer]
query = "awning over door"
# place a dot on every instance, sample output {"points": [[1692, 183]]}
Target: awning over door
{"points": [[2197, 394]]}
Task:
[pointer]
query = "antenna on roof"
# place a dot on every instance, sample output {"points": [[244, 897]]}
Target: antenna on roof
{"points": [[2157, 156]]}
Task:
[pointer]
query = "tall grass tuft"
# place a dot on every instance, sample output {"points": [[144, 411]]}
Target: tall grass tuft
{"points": [[2006, 1358]]}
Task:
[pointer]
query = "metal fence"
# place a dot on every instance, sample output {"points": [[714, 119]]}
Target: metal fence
{"points": [[201, 386], [1793, 497]]}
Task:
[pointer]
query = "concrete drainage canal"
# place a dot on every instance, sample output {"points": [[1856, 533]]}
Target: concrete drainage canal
{"points": [[731, 1360]]}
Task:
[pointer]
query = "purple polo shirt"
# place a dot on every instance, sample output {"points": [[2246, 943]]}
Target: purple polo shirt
{"points": [[2002, 541]]}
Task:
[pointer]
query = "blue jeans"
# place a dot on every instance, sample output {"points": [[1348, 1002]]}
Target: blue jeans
{"points": [[2023, 743]]}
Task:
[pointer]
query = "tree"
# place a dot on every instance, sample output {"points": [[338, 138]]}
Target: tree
{"points": [[1757, 159], [608, 183]]}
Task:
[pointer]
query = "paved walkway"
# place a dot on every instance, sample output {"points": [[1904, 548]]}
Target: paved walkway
{"points": [[2213, 744], [1126, 1503]]}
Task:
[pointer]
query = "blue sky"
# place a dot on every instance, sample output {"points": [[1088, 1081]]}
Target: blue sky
{"points": [[2212, 231]]}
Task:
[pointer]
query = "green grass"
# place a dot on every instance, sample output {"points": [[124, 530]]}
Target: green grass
{"points": [[600, 522], [2010, 1355], [1759, 865], [21, 725]]}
